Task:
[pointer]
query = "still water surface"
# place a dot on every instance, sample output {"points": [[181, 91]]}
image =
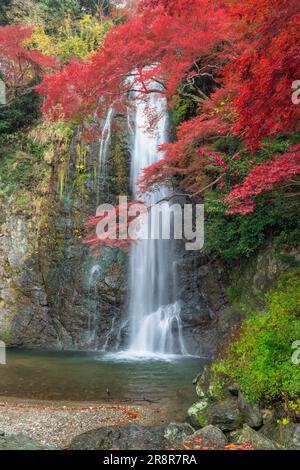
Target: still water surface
{"points": [[98, 378]]}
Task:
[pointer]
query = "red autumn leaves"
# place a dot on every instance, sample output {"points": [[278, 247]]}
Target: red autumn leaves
{"points": [[18, 64], [250, 50]]}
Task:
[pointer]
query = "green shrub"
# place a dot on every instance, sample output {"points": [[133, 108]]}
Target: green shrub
{"points": [[182, 110], [21, 163], [16, 173], [260, 359], [234, 292], [21, 113], [233, 236], [228, 144]]}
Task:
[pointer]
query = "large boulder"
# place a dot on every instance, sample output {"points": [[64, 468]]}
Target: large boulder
{"points": [[258, 440], [202, 382], [211, 389], [177, 433], [287, 435], [196, 415], [295, 441], [224, 414], [251, 413], [129, 437], [211, 437]]}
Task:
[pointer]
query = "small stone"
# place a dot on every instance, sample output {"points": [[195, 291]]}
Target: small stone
{"points": [[295, 443]]}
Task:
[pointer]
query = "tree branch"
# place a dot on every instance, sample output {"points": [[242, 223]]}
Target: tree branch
{"points": [[190, 196]]}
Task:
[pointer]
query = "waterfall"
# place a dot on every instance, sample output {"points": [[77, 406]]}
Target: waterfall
{"points": [[103, 153], [95, 268], [154, 309], [91, 334]]}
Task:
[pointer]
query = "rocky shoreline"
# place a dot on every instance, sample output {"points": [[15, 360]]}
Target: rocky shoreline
{"points": [[237, 421], [221, 419], [36, 426]]}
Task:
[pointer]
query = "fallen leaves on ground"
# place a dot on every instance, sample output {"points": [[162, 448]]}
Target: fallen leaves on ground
{"points": [[197, 444]]}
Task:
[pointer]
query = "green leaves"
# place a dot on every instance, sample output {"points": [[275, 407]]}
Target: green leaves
{"points": [[260, 360]]}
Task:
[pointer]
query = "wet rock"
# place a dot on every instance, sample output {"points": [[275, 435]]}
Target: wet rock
{"points": [[199, 306], [195, 413], [129, 437], [176, 433], [251, 414], [269, 417], [224, 414], [203, 271], [258, 440], [202, 382], [211, 436], [46, 297]]}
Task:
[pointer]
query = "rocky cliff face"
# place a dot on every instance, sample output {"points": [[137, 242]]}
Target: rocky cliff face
{"points": [[203, 284], [24, 309], [213, 294], [53, 293], [85, 294]]}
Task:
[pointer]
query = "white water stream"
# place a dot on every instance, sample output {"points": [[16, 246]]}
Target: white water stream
{"points": [[154, 310], [95, 269]]}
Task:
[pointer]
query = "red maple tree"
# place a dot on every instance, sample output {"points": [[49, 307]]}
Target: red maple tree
{"points": [[153, 51], [249, 50], [265, 64], [265, 177], [254, 101], [18, 64]]}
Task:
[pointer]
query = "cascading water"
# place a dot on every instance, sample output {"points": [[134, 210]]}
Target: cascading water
{"points": [[95, 268], [103, 153], [154, 309], [91, 335]]}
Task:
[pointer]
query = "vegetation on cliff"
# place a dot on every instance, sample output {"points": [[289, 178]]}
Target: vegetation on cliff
{"points": [[262, 358]]}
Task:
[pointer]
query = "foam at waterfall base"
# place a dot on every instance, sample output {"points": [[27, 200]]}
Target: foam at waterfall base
{"points": [[160, 333], [141, 356], [158, 337]]}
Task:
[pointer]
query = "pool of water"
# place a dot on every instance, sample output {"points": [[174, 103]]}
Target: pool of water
{"points": [[96, 377]]}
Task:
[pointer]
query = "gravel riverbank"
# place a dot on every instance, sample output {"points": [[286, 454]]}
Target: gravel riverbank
{"points": [[56, 425]]}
